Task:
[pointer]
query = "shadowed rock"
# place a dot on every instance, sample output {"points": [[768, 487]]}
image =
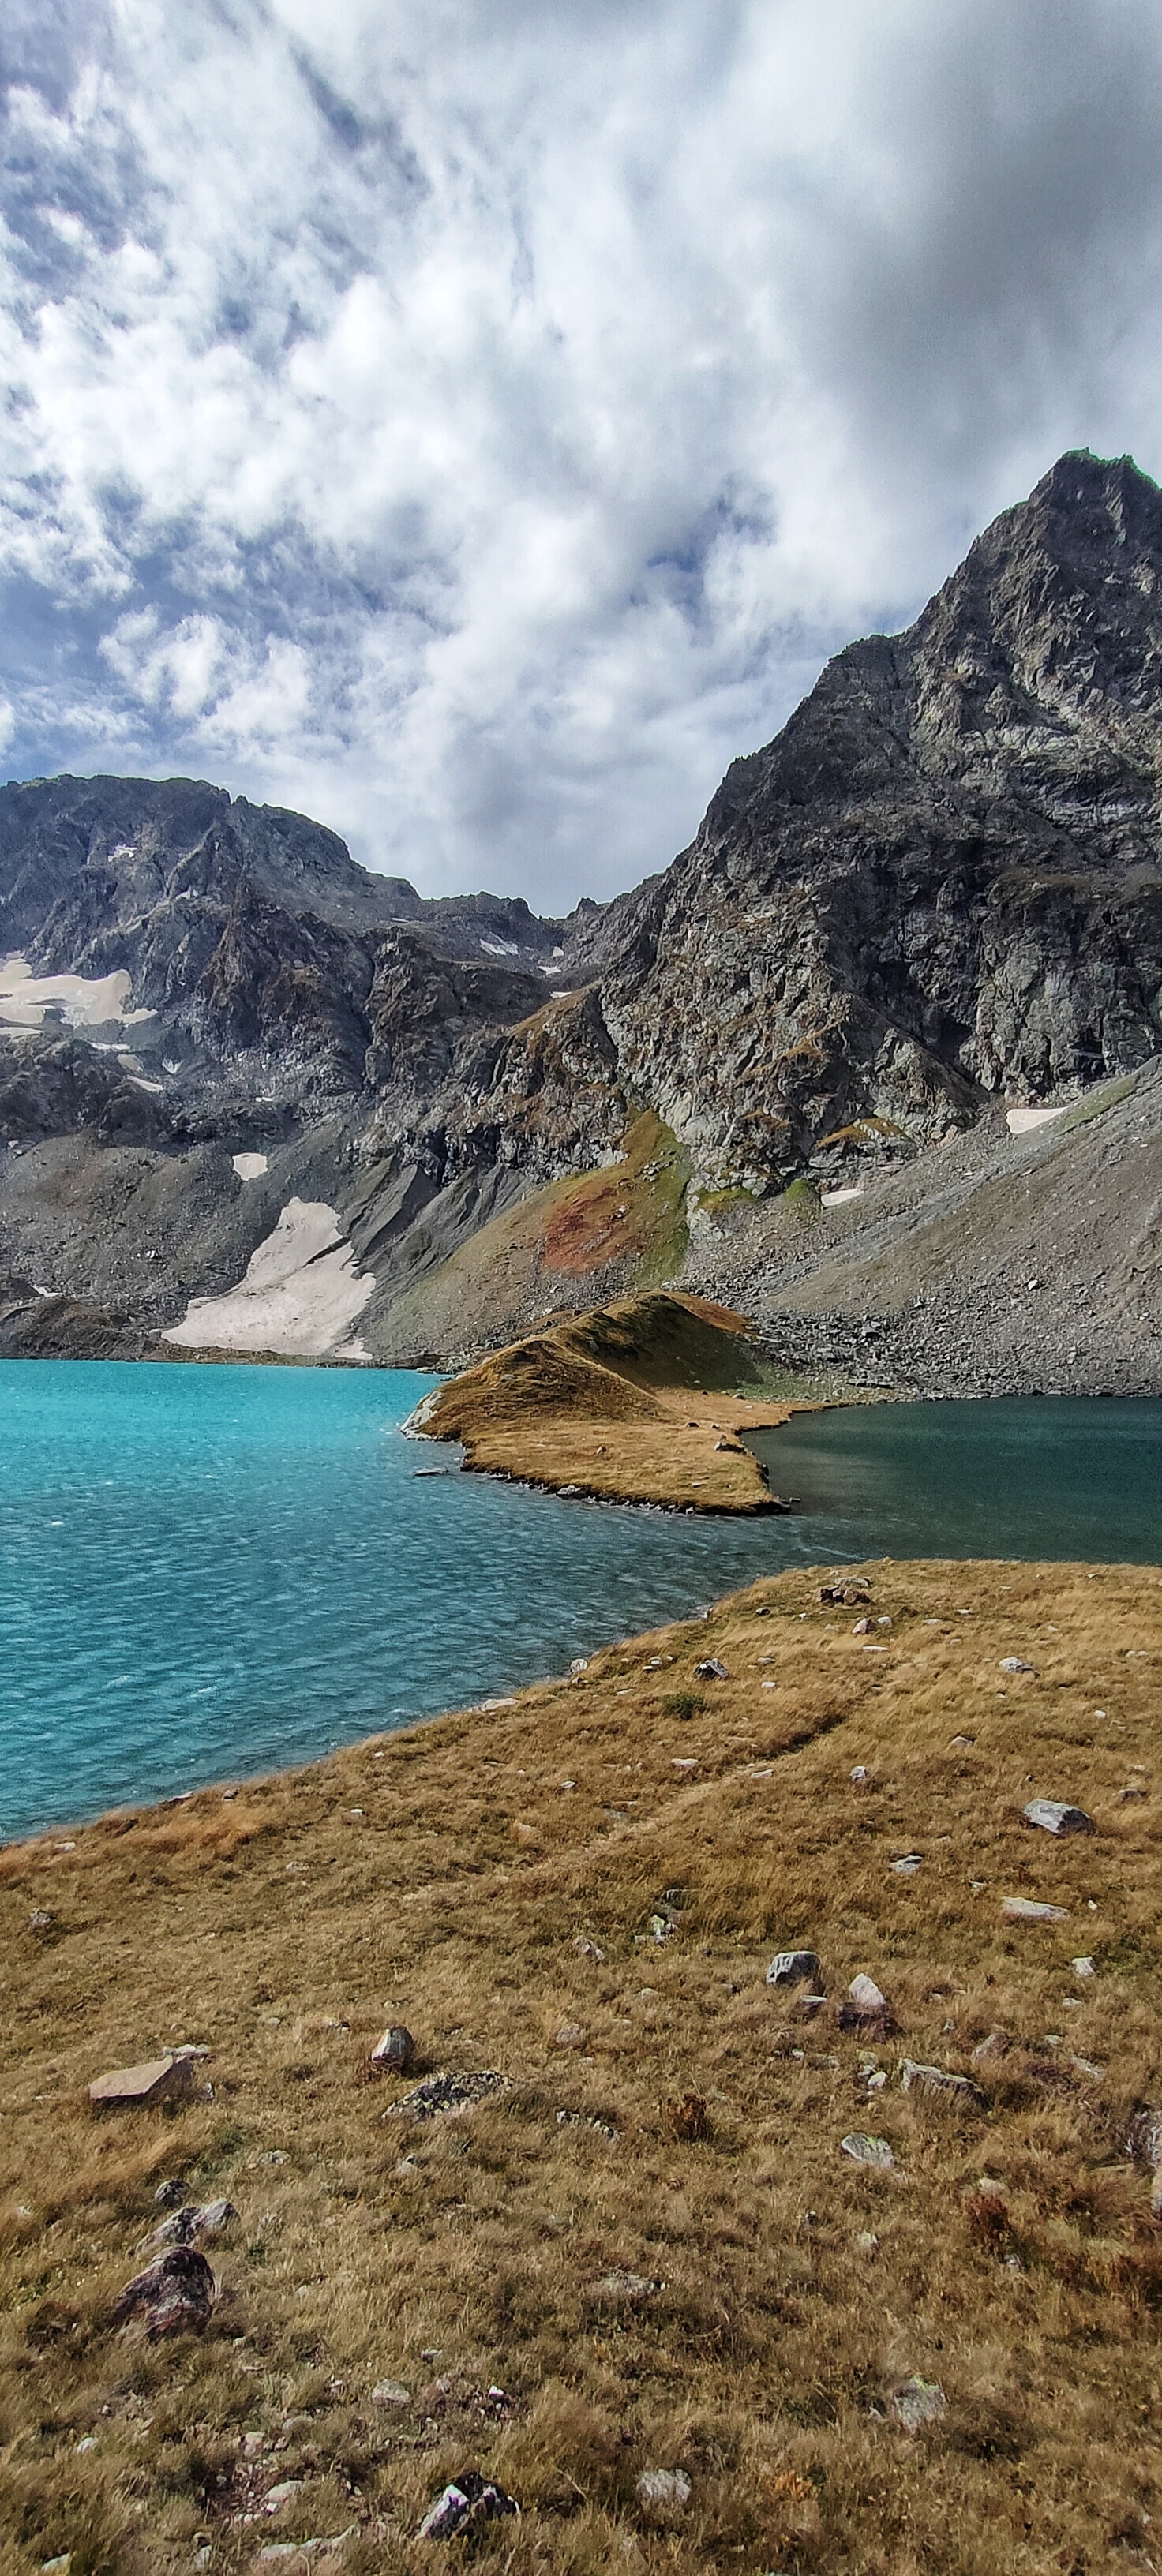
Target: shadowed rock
{"points": [[175, 2295]]}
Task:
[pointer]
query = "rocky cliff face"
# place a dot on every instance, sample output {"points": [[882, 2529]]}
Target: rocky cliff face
{"points": [[939, 888], [941, 881]]}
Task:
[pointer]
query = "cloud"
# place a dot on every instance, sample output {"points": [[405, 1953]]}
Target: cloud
{"points": [[476, 427]]}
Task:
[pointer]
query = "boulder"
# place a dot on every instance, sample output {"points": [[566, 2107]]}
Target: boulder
{"points": [[1055, 1818], [918, 2402], [173, 2295], [1027, 1909], [128, 2088], [391, 2392], [465, 2503], [445, 2096], [711, 1669], [863, 1628], [663, 2493], [393, 2054], [997, 2044], [1016, 1664], [936, 2081], [864, 2150], [1083, 1968], [864, 2007], [192, 2225], [795, 1968]]}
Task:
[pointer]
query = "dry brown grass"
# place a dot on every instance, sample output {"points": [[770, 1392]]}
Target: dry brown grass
{"points": [[642, 1400], [496, 1891]]}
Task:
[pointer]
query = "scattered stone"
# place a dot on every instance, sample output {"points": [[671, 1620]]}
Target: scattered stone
{"points": [[588, 1950], [1025, 1909], [859, 1775], [711, 1669], [441, 2096], [169, 2194], [806, 2006], [174, 2295], [917, 2402], [864, 2150], [997, 2044], [623, 2289], [863, 1628], [587, 2120], [795, 1968], [393, 2054], [1084, 2066], [1054, 1818], [193, 2226], [391, 2392], [1016, 1664], [1083, 1968], [663, 2493], [907, 1864], [865, 2006], [453, 2396], [570, 2034], [160, 2079], [1144, 2137], [279, 2553], [276, 2497], [840, 1596], [39, 1921], [466, 2502], [936, 2080]]}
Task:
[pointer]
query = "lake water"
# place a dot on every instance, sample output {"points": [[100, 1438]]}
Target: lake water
{"points": [[207, 1572]]}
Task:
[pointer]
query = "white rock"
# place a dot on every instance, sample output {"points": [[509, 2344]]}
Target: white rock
{"points": [[391, 2392], [663, 2492], [1025, 1909], [866, 1995], [1016, 1664], [1083, 1967], [867, 2151]]}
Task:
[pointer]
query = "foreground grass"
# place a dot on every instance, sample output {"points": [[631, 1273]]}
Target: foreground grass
{"points": [[496, 1880]]}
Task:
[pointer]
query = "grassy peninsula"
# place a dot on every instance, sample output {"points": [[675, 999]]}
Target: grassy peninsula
{"points": [[649, 2250], [645, 1399]]}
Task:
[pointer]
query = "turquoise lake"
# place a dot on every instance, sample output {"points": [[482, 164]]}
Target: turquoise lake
{"points": [[207, 1572]]}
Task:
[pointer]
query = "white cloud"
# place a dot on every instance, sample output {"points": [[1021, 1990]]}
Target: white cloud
{"points": [[476, 426]]}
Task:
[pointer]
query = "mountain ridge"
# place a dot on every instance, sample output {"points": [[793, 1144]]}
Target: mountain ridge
{"points": [[935, 892]]}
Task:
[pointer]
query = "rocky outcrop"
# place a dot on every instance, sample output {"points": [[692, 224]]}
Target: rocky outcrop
{"points": [[940, 882]]}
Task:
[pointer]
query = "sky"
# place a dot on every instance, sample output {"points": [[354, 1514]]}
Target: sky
{"points": [[475, 422]]}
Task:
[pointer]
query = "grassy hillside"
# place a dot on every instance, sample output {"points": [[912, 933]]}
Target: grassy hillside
{"points": [[498, 1881], [641, 1400]]}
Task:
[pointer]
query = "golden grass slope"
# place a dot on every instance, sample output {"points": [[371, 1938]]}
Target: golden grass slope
{"points": [[493, 1880], [642, 1400]]}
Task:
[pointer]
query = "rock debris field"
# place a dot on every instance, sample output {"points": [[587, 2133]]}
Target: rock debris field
{"points": [[565, 2135]]}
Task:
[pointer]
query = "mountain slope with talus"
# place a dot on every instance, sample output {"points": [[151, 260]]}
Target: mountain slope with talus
{"points": [[933, 898]]}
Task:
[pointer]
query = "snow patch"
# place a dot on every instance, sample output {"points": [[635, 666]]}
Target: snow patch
{"points": [[81, 1001], [837, 1198], [250, 1167], [1021, 1120], [299, 1296]]}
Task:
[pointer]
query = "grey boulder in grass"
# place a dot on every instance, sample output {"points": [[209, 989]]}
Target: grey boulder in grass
{"points": [[1055, 1817]]}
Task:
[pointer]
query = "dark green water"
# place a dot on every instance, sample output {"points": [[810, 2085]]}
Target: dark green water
{"points": [[1045, 1476]]}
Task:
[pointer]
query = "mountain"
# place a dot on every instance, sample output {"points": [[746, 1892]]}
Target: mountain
{"points": [[934, 896]]}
